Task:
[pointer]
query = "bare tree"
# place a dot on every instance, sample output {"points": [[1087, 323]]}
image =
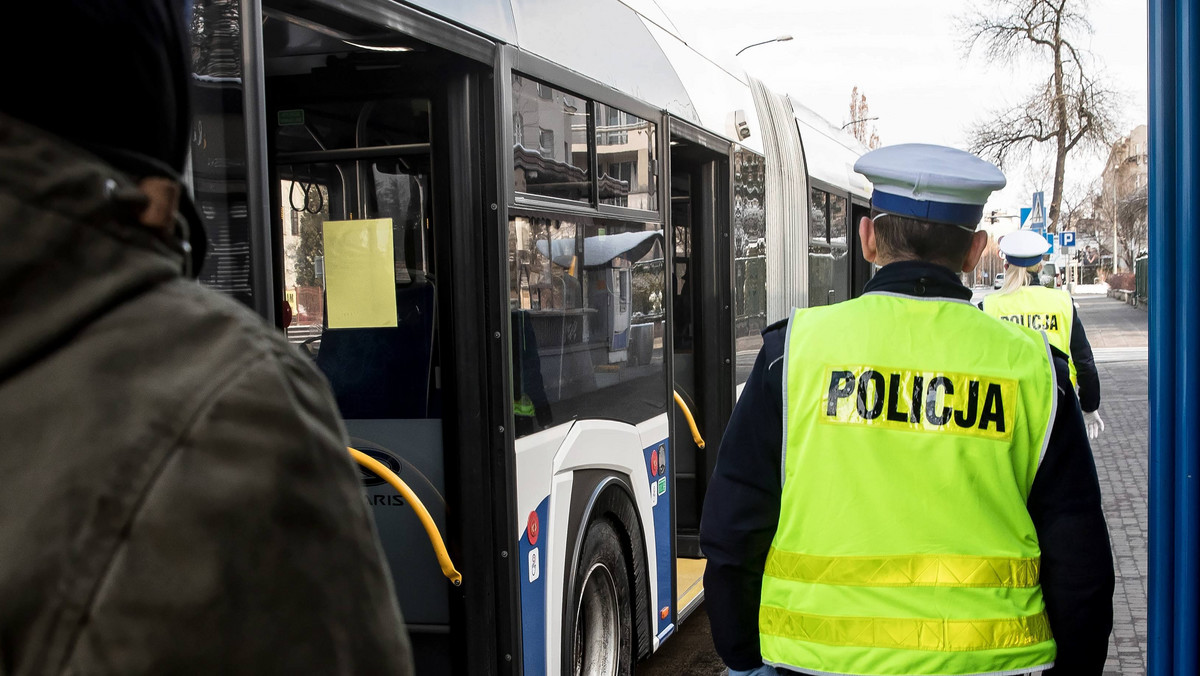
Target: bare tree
{"points": [[1071, 109], [1132, 226], [1078, 207], [1083, 211], [860, 114]]}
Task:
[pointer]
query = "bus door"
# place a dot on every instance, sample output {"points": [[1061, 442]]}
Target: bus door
{"points": [[377, 194], [702, 336]]}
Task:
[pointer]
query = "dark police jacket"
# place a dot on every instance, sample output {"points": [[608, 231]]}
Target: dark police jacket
{"points": [[741, 508], [175, 492]]}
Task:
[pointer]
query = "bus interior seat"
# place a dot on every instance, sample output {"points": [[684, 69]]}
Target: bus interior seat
{"points": [[385, 372]]}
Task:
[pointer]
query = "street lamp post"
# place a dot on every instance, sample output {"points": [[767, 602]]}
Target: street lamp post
{"points": [[781, 38]]}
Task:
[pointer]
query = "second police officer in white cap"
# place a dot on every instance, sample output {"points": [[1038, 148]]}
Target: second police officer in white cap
{"points": [[1023, 301], [904, 487]]}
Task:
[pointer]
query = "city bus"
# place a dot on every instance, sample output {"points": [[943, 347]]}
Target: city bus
{"points": [[532, 247]]}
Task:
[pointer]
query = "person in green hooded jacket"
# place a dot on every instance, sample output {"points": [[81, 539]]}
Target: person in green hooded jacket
{"points": [[177, 496]]}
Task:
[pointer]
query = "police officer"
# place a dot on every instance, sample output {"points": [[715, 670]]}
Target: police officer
{"points": [[904, 487], [1024, 301]]}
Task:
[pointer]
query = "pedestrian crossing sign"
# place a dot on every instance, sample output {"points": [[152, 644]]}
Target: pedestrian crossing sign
{"points": [[1037, 214]]}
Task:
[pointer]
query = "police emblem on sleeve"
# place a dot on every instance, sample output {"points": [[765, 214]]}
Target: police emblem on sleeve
{"points": [[920, 401]]}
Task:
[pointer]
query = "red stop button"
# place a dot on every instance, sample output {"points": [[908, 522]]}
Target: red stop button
{"points": [[531, 529]]}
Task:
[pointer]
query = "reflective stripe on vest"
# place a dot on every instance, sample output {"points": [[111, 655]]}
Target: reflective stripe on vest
{"points": [[922, 570], [905, 633], [913, 432], [1038, 308]]}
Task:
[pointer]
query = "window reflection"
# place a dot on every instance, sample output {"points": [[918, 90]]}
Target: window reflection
{"points": [[625, 149], [839, 248], [837, 219], [550, 146], [818, 222], [750, 258], [828, 249], [587, 317], [820, 255], [218, 149]]}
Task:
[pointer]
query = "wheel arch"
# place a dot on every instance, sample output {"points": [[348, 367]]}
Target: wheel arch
{"points": [[600, 494]]}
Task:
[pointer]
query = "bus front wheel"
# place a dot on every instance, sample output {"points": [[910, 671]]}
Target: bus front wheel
{"points": [[603, 640]]}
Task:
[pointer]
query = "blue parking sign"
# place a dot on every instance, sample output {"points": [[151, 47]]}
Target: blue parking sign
{"points": [[1067, 238]]}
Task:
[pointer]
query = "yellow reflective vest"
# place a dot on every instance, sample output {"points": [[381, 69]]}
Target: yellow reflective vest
{"points": [[913, 429], [1038, 308]]}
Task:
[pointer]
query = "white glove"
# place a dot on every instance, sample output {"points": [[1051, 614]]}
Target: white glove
{"points": [[1093, 423]]}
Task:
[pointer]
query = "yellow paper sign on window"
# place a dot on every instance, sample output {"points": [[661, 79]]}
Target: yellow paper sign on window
{"points": [[360, 274]]}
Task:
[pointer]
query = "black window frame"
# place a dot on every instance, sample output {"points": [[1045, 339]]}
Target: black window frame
{"points": [[539, 70]]}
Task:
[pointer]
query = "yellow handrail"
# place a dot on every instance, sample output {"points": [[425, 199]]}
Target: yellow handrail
{"points": [[435, 538], [687, 413]]}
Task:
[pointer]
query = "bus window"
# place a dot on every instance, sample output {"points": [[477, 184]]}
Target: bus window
{"points": [[324, 197], [219, 173], [550, 144], [750, 259], [839, 242], [828, 249], [304, 260], [587, 316], [820, 254], [365, 335], [626, 152]]}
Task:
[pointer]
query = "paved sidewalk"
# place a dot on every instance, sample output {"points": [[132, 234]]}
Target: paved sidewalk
{"points": [[1118, 334], [1111, 323], [1122, 464]]}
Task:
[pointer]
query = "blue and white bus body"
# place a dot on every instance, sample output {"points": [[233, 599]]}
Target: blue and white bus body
{"points": [[516, 455], [624, 451]]}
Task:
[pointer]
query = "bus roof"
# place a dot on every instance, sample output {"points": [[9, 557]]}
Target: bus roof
{"points": [[630, 46], [633, 47], [830, 152]]}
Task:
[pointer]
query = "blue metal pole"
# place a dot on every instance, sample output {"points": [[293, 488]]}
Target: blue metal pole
{"points": [[1162, 309], [1174, 629], [1187, 478]]}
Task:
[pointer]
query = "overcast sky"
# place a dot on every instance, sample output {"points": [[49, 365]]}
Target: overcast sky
{"points": [[905, 56]]}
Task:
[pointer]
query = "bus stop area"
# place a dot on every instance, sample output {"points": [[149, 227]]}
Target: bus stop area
{"points": [[1119, 338]]}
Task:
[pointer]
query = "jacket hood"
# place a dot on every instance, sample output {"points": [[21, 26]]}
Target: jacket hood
{"points": [[71, 248], [136, 52]]}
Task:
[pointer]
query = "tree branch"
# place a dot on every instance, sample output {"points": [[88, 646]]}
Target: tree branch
{"points": [[1069, 110]]}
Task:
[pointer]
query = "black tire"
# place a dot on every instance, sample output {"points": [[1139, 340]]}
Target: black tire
{"points": [[600, 612]]}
